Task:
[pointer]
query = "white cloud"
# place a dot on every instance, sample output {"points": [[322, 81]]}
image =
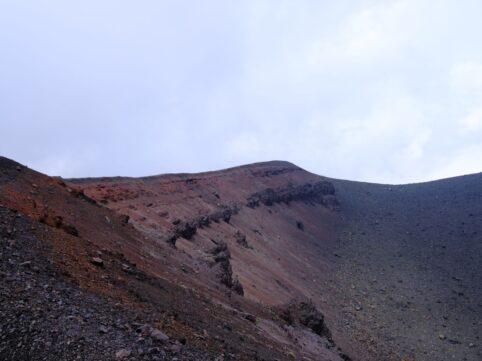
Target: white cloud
{"points": [[473, 121], [467, 76], [63, 165], [465, 160], [390, 140], [245, 146], [376, 33]]}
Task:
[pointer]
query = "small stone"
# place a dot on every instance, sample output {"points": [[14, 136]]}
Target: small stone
{"points": [[159, 335], [471, 345], [250, 318], [122, 354], [103, 329], [126, 268], [442, 337], [176, 348], [144, 330], [97, 261]]}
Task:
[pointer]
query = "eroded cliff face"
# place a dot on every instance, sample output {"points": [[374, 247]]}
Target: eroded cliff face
{"points": [[254, 211], [321, 192], [184, 249]]}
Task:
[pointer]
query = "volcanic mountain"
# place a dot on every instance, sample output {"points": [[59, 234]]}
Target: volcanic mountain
{"points": [[259, 262]]}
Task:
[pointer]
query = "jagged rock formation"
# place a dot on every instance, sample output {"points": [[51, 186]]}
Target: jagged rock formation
{"points": [[241, 240], [58, 222], [187, 229], [321, 192], [222, 258], [306, 314]]}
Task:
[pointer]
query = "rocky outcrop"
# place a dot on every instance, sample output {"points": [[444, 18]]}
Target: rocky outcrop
{"points": [[305, 314], [187, 229], [58, 222], [222, 258], [241, 240], [322, 192], [275, 172], [124, 219]]}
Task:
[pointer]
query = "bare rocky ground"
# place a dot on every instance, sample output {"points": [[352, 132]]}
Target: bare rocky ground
{"points": [[411, 261], [80, 282], [44, 317], [260, 262]]}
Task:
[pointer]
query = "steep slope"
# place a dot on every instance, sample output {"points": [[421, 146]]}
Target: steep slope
{"points": [[411, 262], [395, 269], [254, 210], [272, 221], [89, 282]]}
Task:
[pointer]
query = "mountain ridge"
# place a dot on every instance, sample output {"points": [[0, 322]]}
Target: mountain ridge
{"points": [[349, 270]]}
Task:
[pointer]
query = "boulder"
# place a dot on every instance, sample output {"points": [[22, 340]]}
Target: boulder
{"points": [[306, 314], [159, 335]]}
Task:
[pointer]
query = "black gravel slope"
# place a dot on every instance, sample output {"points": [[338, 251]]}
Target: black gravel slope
{"points": [[411, 265]]}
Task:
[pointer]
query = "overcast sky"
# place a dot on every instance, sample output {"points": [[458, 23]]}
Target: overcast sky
{"points": [[384, 91]]}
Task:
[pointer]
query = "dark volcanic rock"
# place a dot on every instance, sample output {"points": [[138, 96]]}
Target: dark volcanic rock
{"points": [[222, 257], [331, 202], [70, 229], [221, 246], [186, 230], [306, 314], [241, 239], [237, 287], [300, 225], [227, 213], [321, 192], [124, 218], [97, 261]]}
